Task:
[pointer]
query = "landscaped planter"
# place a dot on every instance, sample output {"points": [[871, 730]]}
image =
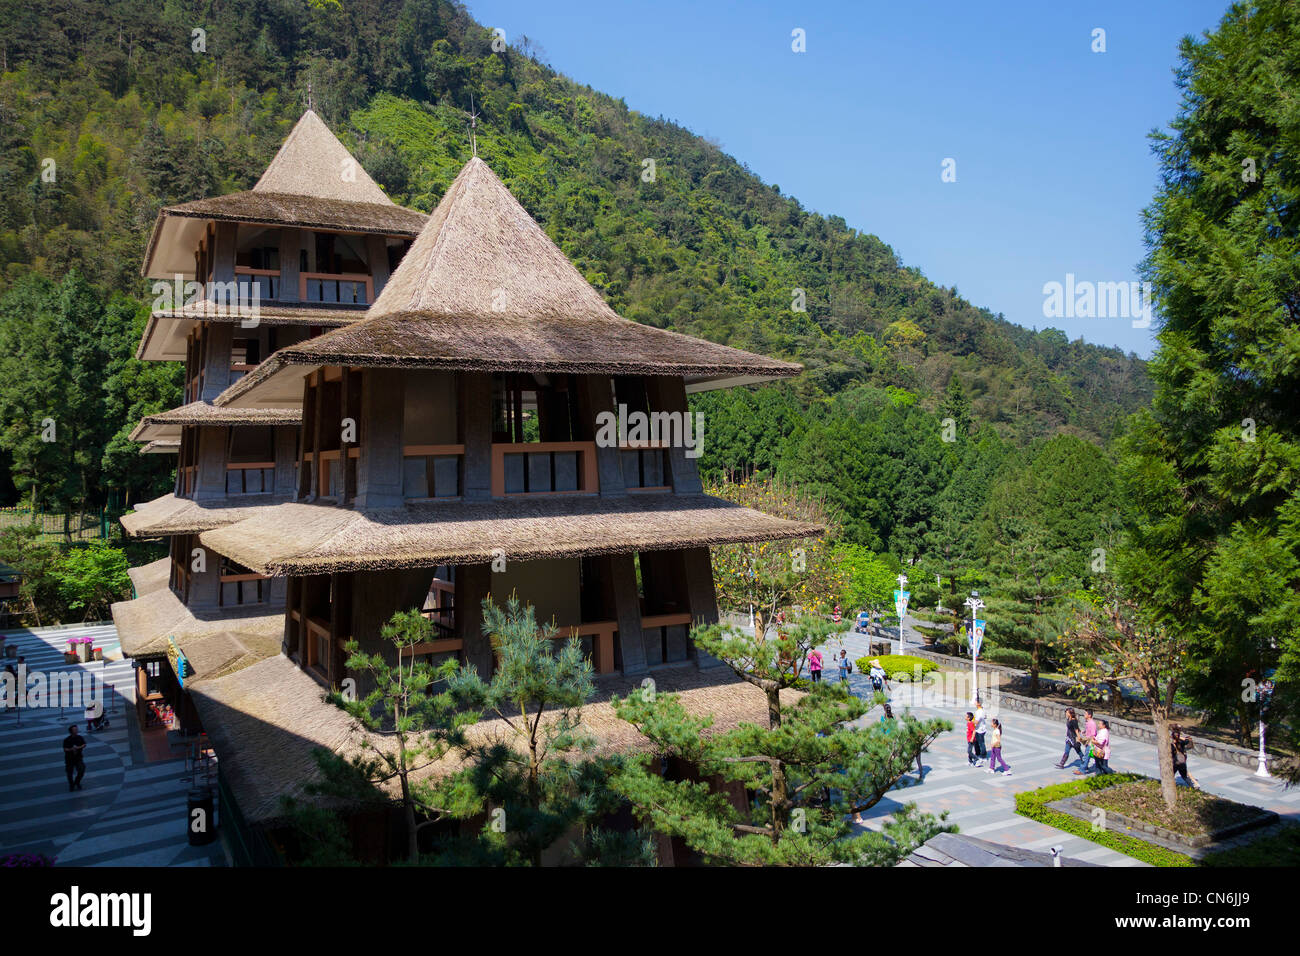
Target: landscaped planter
{"points": [[1080, 807]]}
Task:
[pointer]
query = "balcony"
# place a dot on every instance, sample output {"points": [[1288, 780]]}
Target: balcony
{"points": [[431, 472], [344, 288], [250, 478], [331, 288], [660, 629], [544, 468]]}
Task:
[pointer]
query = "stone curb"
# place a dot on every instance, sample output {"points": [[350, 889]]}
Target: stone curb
{"points": [[1079, 807]]}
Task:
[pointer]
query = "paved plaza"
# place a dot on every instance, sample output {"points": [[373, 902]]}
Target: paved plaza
{"points": [[983, 804], [130, 811]]}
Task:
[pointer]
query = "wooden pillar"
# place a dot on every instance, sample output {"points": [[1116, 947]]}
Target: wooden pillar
{"points": [[290, 245], [595, 395], [627, 605], [318, 409], [379, 472], [702, 597], [474, 411], [668, 394], [213, 442], [286, 454], [473, 584], [218, 342], [377, 259]]}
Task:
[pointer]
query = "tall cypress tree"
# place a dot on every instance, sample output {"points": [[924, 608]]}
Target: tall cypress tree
{"points": [[1213, 469]]}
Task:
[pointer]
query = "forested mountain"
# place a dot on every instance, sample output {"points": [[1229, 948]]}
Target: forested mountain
{"points": [[109, 110]]}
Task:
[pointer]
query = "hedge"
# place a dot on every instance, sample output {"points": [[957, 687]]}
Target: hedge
{"points": [[898, 667], [1034, 805], [1281, 848]]}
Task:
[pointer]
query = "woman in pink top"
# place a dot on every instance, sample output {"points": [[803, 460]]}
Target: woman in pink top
{"points": [[1101, 748], [815, 665]]}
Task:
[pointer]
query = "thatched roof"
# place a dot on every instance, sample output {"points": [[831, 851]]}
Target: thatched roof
{"points": [[150, 577], [166, 329], [312, 162], [171, 514], [313, 183], [300, 538], [484, 288], [217, 640], [265, 721], [168, 424], [162, 446]]}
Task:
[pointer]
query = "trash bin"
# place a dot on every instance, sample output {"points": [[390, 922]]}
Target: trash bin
{"points": [[200, 820]]}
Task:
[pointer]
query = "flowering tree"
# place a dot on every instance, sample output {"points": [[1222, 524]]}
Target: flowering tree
{"points": [[775, 576], [1111, 641]]}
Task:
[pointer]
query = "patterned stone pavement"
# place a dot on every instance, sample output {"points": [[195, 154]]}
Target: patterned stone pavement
{"points": [[129, 812], [982, 804]]}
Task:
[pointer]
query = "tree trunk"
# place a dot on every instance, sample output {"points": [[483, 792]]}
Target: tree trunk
{"points": [[780, 786], [1033, 668], [1244, 724], [1168, 781]]}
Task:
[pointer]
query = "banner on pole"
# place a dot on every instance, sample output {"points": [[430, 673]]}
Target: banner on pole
{"points": [[976, 638], [900, 602]]}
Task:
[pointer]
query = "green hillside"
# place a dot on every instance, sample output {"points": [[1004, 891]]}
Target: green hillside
{"points": [[133, 115]]}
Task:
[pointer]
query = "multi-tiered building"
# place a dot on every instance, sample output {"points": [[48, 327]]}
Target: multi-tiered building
{"points": [[309, 248], [476, 435]]}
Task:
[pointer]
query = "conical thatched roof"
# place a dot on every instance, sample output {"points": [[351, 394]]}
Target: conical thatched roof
{"points": [[312, 162], [313, 183], [484, 288]]}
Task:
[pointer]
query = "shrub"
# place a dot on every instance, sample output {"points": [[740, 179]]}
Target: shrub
{"points": [[1009, 656], [1034, 805], [898, 667], [1281, 847]]}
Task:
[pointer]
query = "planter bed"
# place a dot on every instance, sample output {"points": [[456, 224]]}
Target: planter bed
{"points": [[1198, 819]]}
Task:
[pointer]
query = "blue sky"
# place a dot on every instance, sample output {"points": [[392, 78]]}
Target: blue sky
{"points": [[1052, 161]]}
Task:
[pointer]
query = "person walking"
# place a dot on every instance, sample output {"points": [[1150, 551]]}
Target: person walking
{"points": [[1179, 744], [1089, 734], [815, 665], [981, 728], [845, 666], [1101, 748], [74, 761], [970, 740], [1071, 737], [996, 757]]}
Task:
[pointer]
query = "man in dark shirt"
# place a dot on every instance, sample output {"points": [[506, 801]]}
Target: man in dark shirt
{"points": [[74, 746]]}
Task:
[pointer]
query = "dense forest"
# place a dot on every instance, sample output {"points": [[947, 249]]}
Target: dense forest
{"points": [[110, 110]]}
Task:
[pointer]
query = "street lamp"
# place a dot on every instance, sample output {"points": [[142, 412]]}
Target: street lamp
{"points": [[900, 605], [974, 603], [1265, 700]]}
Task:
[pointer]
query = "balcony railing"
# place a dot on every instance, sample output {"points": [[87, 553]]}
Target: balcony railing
{"points": [[602, 635], [244, 588], [267, 282], [250, 478], [344, 288], [431, 472], [544, 468], [645, 466]]}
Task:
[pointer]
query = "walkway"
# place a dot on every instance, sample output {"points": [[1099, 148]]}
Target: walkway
{"points": [[130, 812], [983, 804]]}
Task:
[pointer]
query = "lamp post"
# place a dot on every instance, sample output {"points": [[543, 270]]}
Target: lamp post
{"points": [[1265, 699], [900, 605], [974, 603]]}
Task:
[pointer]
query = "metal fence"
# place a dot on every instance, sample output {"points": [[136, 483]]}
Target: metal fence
{"points": [[65, 526]]}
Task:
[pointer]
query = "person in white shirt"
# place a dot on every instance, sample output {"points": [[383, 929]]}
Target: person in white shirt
{"points": [[981, 728]]}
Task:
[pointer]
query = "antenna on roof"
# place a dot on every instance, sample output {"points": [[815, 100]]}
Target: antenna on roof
{"points": [[473, 125]]}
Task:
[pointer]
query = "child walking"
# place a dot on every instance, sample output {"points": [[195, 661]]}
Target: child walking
{"points": [[971, 757], [995, 755]]}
